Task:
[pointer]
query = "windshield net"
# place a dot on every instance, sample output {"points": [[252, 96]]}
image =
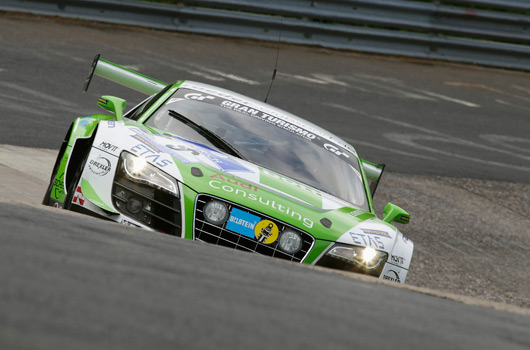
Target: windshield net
{"points": [[266, 140]]}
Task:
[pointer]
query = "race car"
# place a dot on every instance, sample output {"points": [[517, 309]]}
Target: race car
{"points": [[203, 163]]}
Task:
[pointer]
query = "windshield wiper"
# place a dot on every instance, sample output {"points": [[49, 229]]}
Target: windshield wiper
{"points": [[215, 139]]}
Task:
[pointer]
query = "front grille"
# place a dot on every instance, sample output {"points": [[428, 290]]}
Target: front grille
{"points": [[155, 208], [220, 235]]}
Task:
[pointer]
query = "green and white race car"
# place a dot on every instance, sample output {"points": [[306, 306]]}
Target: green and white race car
{"points": [[204, 163]]}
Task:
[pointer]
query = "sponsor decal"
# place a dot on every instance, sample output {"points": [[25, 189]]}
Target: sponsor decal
{"points": [[392, 275], [218, 185], [376, 232], [99, 166], [148, 154], [242, 222], [147, 142], [58, 187], [335, 150], [279, 122], [84, 121], [235, 182], [266, 232], [236, 103], [223, 161], [108, 146], [367, 240], [151, 150], [240, 108], [198, 96], [78, 196], [174, 99], [102, 100], [182, 148], [397, 259]]}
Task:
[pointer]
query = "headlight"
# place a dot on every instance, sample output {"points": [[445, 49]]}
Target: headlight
{"points": [[290, 241], [366, 257], [215, 212], [139, 170]]}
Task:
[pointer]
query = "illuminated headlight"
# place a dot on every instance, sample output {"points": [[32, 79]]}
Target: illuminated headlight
{"points": [[290, 241], [139, 170], [366, 257], [215, 212]]}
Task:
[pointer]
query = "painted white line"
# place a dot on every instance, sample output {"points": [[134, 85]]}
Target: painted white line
{"points": [[329, 79], [507, 141], [490, 89], [386, 149], [383, 84], [27, 111], [408, 91], [450, 99], [410, 140], [502, 102], [225, 75], [35, 93], [303, 78], [448, 138], [520, 88], [206, 76]]}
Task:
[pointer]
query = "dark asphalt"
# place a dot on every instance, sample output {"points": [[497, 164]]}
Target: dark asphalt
{"points": [[74, 282], [418, 117]]}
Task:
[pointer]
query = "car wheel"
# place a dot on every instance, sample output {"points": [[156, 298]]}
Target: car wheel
{"points": [[47, 200]]}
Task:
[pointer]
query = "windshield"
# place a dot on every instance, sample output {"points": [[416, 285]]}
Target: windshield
{"points": [[266, 140]]}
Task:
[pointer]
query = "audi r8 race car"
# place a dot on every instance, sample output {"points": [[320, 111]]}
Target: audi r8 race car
{"points": [[204, 163]]}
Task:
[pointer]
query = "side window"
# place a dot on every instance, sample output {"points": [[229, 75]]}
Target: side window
{"points": [[137, 111]]}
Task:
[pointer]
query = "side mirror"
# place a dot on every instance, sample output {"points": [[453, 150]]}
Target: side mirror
{"points": [[113, 104], [395, 213]]}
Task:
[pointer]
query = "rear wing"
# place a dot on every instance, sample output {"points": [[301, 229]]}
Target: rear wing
{"points": [[373, 174], [123, 76]]}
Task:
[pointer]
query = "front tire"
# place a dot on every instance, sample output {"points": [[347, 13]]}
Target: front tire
{"points": [[47, 200]]}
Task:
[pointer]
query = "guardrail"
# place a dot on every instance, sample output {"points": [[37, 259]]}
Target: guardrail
{"points": [[487, 32]]}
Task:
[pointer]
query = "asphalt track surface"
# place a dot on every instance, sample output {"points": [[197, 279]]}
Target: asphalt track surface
{"points": [[417, 117], [80, 283], [71, 281]]}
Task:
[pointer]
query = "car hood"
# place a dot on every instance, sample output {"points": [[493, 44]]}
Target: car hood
{"points": [[209, 171]]}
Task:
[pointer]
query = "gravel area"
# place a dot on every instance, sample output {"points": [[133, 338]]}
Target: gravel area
{"points": [[471, 237]]}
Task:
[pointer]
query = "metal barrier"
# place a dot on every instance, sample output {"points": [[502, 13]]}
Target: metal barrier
{"points": [[487, 32]]}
